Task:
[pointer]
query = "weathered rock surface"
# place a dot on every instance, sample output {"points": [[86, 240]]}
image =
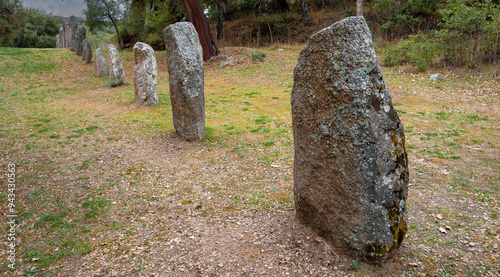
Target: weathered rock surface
{"points": [[101, 66], [350, 164], [66, 33], [435, 77], [72, 27], [60, 38], [86, 52], [117, 73], [145, 72], [185, 69], [81, 33]]}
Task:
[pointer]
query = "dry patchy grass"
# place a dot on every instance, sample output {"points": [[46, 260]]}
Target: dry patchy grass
{"points": [[105, 188]]}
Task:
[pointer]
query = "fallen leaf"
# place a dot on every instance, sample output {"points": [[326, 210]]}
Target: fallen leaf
{"points": [[442, 230], [440, 216]]}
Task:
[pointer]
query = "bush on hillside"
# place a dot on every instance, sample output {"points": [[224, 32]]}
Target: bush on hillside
{"points": [[469, 35], [37, 29]]}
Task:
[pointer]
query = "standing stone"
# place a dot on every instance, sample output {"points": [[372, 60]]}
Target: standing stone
{"points": [[80, 36], [86, 52], [117, 74], [60, 38], [73, 26], [350, 167], [145, 75], [101, 66], [66, 33], [185, 71]]}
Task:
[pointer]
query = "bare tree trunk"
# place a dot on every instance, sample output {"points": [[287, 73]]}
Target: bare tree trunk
{"points": [[305, 12], [283, 5], [359, 8], [270, 32], [196, 16], [220, 19], [120, 40]]}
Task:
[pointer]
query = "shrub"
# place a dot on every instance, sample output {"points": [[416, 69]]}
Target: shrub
{"points": [[469, 36], [401, 18], [420, 50], [470, 32], [38, 29]]}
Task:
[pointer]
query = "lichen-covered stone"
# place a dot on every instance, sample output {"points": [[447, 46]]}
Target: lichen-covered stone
{"points": [[86, 52], [72, 27], [117, 73], [66, 33], [145, 75], [81, 33], [101, 66], [350, 163], [185, 70], [60, 38]]}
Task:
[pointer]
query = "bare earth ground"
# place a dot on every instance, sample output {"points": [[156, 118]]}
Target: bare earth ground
{"points": [[105, 188]]}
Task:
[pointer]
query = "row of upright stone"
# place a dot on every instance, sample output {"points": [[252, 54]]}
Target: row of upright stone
{"points": [[185, 67], [67, 34], [72, 37], [350, 164]]}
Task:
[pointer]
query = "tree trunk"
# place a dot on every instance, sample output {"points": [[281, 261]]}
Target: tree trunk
{"points": [[359, 8], [196, 16], [120, 40], [283, 5], [305, 12], [220, 19]]}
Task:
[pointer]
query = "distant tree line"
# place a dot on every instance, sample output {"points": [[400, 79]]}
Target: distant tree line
{"points": [[20, 27], [421, 32]]}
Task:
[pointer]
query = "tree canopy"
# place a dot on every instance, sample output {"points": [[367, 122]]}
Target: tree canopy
{"points": [[100, 13]]}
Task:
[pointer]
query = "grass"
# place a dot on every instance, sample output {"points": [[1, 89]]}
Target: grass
{"points": [[98, 175]]}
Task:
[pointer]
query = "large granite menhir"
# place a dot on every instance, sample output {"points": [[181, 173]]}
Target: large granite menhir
{"points": [[117, 73], [101, 66], [81, 33], [86, 52], [350, 163], [145, 72], [60, 38], [72, 27], [185, 71]]}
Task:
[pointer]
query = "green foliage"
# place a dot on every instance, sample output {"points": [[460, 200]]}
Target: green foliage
{"points": [[468, 36], [96, 14], [470, 32], [259, 57], [37, 29], [9, 9], [355, 265], [101, 38], [400, 18], [146, 22], [419, 50]]}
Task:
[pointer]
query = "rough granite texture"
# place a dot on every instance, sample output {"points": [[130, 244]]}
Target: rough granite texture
{"points": [[66, 33], [58, 41], [86, 52], [350, 163], [145, 72], [117, 73], [101, 65], [81, 33], [72, 27], [60, 38], [185, 70]]}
